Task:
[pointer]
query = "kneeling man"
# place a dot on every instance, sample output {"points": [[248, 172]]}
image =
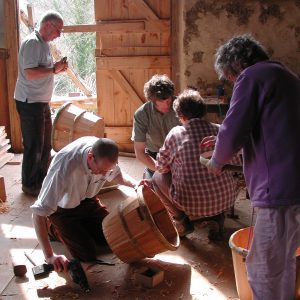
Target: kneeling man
{"points": [[68, 208]]}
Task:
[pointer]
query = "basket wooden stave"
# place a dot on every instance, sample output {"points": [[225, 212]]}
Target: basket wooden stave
{"points": [[140, 228]]}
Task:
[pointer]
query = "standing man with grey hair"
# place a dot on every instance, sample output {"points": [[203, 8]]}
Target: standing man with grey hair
{"points": [[153, 121], [33, 93], [263, 119]]}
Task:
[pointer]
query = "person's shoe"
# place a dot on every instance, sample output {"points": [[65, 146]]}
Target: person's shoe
{"points": [[184, 226], [30, 191]]}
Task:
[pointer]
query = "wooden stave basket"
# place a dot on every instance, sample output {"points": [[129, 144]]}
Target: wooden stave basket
{"points": [[65, 133], [130, 243]]}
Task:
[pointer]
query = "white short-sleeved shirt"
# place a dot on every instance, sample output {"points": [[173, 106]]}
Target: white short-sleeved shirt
{"points": [[69, 180], [34, 52]]}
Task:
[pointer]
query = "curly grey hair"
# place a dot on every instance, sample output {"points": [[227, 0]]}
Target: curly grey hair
{"points": [[189, 104], [237, 54], [51, 15], [159, 87]]}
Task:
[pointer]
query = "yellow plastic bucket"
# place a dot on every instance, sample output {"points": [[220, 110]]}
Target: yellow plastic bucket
{"points": [[238, 243]]}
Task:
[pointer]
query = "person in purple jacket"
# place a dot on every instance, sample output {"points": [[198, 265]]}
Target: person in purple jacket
{"points": [[264, 120]]}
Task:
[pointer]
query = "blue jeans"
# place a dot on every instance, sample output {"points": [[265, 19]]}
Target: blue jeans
{"points": [[36, 127]]}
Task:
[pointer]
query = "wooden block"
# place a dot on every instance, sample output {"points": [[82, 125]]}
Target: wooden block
{"points": [[2, 189], [149, 277]]}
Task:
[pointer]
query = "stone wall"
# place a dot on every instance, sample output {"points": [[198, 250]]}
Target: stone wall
{"points": [[209, 23]]}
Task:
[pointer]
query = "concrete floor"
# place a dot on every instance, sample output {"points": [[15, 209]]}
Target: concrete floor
{"points": [[198, 269]]}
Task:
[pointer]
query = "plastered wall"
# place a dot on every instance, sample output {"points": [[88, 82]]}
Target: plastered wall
{"points": [[207, 24]]}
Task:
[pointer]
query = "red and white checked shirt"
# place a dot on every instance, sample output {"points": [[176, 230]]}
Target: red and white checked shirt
{"points": [[193, 189]]}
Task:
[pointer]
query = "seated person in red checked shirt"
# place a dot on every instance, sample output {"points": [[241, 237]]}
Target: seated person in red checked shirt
{"points": [[188, 191]]}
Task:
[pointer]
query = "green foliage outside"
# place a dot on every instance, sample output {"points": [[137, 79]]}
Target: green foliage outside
{"points": [[78, 47]]}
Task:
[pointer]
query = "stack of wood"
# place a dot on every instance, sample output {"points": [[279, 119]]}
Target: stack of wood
{"points": [[4, 147]]}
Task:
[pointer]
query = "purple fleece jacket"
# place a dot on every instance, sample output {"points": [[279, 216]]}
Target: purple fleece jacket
{"points": [[264, 120]]}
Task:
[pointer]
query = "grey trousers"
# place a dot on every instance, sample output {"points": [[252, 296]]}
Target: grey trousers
{"points": [[271, 262]]}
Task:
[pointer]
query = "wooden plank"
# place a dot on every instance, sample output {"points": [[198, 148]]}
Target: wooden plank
{"points": [[121, 103], [126, 87], [132, 62], [103, 10], [30, 14], [157, 26], [165, 8], [131, 51], [105, 103], [119, 134], [144, 8], [176, 35], [122, 136], [12, 45], [119, 9], [137, 79], [4, 106], [107, 27]]}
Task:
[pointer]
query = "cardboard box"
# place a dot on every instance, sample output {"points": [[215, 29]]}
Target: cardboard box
{"points": [[149, 276]]}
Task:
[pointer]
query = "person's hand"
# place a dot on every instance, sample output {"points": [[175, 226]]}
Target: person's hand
{"points": [[60, 262], [208, 141], [147, 183], [60, 66], [213, 167]]}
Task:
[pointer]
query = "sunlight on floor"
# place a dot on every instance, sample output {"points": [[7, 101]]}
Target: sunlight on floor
{"points": [[200, 286], [12, 231]]}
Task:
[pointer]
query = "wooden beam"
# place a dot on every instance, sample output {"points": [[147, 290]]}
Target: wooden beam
{"points": [[126, 87], [24, 18], [12, 46], [129, 50], [143, 7], [133, 62], [4, 108], [108, 27], [176, 43], [30, 14], [75, 78]]}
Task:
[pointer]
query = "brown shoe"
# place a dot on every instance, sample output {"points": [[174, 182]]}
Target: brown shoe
{"points": [[184, 226]]}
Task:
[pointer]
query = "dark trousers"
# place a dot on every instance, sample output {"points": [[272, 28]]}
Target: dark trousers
{"points": [[80, 228], [36, 127]]}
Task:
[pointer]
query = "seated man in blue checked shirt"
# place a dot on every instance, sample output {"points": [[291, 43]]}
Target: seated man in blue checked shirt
{"points": [[68, 208], [185, 186]]}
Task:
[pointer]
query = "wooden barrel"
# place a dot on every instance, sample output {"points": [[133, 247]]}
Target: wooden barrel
{"points": [[141, 227], [71, 122]]}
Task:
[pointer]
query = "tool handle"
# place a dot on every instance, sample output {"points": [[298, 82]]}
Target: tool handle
{"points": [[30, 259]]}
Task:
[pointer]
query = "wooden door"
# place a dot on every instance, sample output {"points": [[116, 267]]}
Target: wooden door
{"points": [[134, 46]]}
